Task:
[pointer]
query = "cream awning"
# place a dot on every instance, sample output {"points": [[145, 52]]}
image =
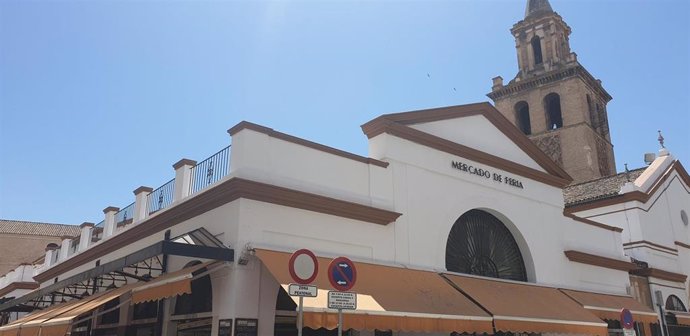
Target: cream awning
{"points": [[608, 306], [170, 284], [57, 320], [683, 318], [523, 307], [388, 297]]}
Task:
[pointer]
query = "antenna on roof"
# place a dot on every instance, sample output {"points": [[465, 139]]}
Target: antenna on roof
{"points": [[627, 173], [649, 158], [661, 139]]}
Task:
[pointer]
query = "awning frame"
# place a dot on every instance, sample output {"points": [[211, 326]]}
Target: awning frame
{"points": [[115, 270]]}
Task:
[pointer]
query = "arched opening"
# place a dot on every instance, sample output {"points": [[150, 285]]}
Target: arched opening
{"points": [[674, 303], [522, 117], [200, 300], [536, 48], [603, 121], [552, 106], [479, 243], [593, 117]]}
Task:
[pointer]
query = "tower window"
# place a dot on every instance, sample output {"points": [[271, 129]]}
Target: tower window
{"points": [[522, 117], [552, 105], [536, 48], [593, 117]]}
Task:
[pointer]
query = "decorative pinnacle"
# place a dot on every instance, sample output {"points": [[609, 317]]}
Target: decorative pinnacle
{"points": [[661, 139]]}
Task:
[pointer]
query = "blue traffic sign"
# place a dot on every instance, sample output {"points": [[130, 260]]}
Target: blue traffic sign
{"points": [[342, 274]]}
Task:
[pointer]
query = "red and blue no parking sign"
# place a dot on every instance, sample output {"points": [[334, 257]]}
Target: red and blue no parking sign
{"points": [[627, 319], [342, 274]]}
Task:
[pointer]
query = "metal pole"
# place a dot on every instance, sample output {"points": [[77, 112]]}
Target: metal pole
{"points": [[299, 317], [340, 322], [664, 327]]}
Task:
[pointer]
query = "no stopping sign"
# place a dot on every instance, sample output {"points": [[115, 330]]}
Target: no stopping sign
{"points": [[303, 266]]}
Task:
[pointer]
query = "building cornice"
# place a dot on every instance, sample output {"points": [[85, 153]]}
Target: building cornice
{"points": [[551, 77], [303, 142], [18, 285], [397, 124], [660, 274], [597, 260], [591, 222], [225, 192]]}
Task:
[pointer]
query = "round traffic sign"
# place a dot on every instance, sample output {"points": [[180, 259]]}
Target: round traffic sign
{"points": [[342, 274], [627, 319], [303, 266]]}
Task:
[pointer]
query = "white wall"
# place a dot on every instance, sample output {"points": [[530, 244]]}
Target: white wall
{"points": [[479, 133]]}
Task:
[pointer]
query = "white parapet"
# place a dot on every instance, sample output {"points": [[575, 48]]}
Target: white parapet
{"points": [[183, 178], [109, 225]]}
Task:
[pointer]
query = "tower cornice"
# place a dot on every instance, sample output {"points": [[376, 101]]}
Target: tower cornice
{"points": [[578, 70]]}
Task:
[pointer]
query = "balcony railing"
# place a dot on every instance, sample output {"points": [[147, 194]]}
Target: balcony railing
{"points": [[125, 215], [210, 170], [202, 176], [160, 198], [98, 231]]}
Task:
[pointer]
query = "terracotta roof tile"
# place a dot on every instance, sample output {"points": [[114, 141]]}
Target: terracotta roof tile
{"points": [[601, 188], [37, 229]]}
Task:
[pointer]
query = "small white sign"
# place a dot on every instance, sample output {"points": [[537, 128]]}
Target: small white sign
{"points": [[302, 290], [342, 300], [629, 332]]}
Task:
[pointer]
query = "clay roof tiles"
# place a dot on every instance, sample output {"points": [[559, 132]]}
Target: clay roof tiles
{"points": [[601, 188], [37, 229]]}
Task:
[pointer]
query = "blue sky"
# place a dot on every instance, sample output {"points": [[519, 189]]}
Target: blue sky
{"points": [[100, 97]]}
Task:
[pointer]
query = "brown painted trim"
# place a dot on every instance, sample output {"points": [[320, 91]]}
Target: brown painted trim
{"points": [[591, 259], [591, 222], [651, 244], [381, 124], [306, 143], [142, 189], [217, 196], [183, 162], [86, 224], [682, 172], [453, 148], [63, 237], [660, 274], [111, 208], [681, 244], [639, 196], [18, 285]]}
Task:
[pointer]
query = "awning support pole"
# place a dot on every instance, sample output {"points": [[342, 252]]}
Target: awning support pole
{"points": [[300, 320], [161, 303]]}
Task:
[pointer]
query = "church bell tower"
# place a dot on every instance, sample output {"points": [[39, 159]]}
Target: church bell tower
{"points": [[553, 99]]}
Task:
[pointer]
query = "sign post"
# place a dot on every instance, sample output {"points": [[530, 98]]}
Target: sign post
{"points": [[342, 275], [303, 267]]}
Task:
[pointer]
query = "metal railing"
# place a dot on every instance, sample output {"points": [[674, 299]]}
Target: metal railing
{"points": [[160, 198], [98, 231], [210, 170], [125, 215], [74, 246]]}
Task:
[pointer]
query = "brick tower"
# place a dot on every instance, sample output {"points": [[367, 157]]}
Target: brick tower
{"points": [[553, 99]]}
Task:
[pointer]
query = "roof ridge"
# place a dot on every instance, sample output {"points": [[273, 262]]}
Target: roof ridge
{"points": [[34, 222], [606, 177]]}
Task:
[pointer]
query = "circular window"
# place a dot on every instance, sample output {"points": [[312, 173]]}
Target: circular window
{"points": [[684, 217], [480, 244]]}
